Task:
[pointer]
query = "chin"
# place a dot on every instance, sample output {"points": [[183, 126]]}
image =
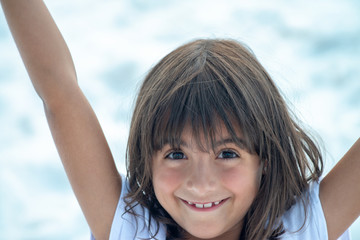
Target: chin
{"points": [[205, 236], [206, 233]]}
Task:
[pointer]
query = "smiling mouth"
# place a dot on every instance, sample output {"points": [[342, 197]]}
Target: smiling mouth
{"points": [[204, 205]]}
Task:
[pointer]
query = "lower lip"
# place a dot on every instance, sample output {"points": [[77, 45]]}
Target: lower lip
{"points": [[212, 208]]}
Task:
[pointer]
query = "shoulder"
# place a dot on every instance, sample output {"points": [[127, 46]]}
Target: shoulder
{"points": [[129, 226], [305, 219]]}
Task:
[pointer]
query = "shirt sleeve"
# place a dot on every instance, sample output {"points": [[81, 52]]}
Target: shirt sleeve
{"points": [[127, 226], [117, 224], [315, 225]]}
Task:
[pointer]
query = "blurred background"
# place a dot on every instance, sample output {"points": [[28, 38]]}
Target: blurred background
{"points": [[310, 48]]}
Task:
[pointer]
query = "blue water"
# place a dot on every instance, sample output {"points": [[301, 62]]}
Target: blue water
{"points": [[311, 50]]}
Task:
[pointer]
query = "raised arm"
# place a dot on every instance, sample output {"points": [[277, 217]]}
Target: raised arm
{"points": [[340, 193], [77, 134]]}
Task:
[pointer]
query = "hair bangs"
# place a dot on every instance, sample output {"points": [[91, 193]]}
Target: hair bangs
{"points": [[203, 104]]}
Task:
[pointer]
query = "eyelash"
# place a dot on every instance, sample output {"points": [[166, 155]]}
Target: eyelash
{"points": [[170, 155], [227, 151]]}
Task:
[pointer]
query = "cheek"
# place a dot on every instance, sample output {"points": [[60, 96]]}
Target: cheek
{"points": [[165, 179], [242, 180]]}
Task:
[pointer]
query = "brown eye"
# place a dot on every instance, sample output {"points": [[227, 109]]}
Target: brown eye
{"points": [[176, 155]]}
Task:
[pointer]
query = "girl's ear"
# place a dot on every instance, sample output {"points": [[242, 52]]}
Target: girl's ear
{"points": [[265, 166]]}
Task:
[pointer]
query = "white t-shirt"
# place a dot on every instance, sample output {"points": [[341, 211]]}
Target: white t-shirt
{"points": [[124, 225]]}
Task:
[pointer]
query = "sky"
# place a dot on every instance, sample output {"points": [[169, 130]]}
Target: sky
{"points": [[311, 49]]}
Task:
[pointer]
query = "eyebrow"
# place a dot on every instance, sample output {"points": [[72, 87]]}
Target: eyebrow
{"points": [[239, 142]]}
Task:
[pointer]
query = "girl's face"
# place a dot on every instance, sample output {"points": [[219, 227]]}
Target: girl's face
{"points": [[207, 193]]}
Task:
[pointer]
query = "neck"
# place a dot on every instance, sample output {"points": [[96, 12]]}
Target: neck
{"points": [[232, 234]]}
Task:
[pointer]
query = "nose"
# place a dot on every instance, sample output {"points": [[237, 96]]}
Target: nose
{"points": [[202, 177]]}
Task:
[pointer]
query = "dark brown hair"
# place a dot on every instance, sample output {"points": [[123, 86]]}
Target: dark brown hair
{"points": [[204, 83]]}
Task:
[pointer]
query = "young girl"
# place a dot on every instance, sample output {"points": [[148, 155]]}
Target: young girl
{"points": [[213, 152]]}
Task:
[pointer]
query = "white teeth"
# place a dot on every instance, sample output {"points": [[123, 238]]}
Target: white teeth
{"points": [[207, 205], [199, 205]]}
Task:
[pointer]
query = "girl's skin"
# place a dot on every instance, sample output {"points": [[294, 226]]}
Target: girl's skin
{"points": [[90, 166]]}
